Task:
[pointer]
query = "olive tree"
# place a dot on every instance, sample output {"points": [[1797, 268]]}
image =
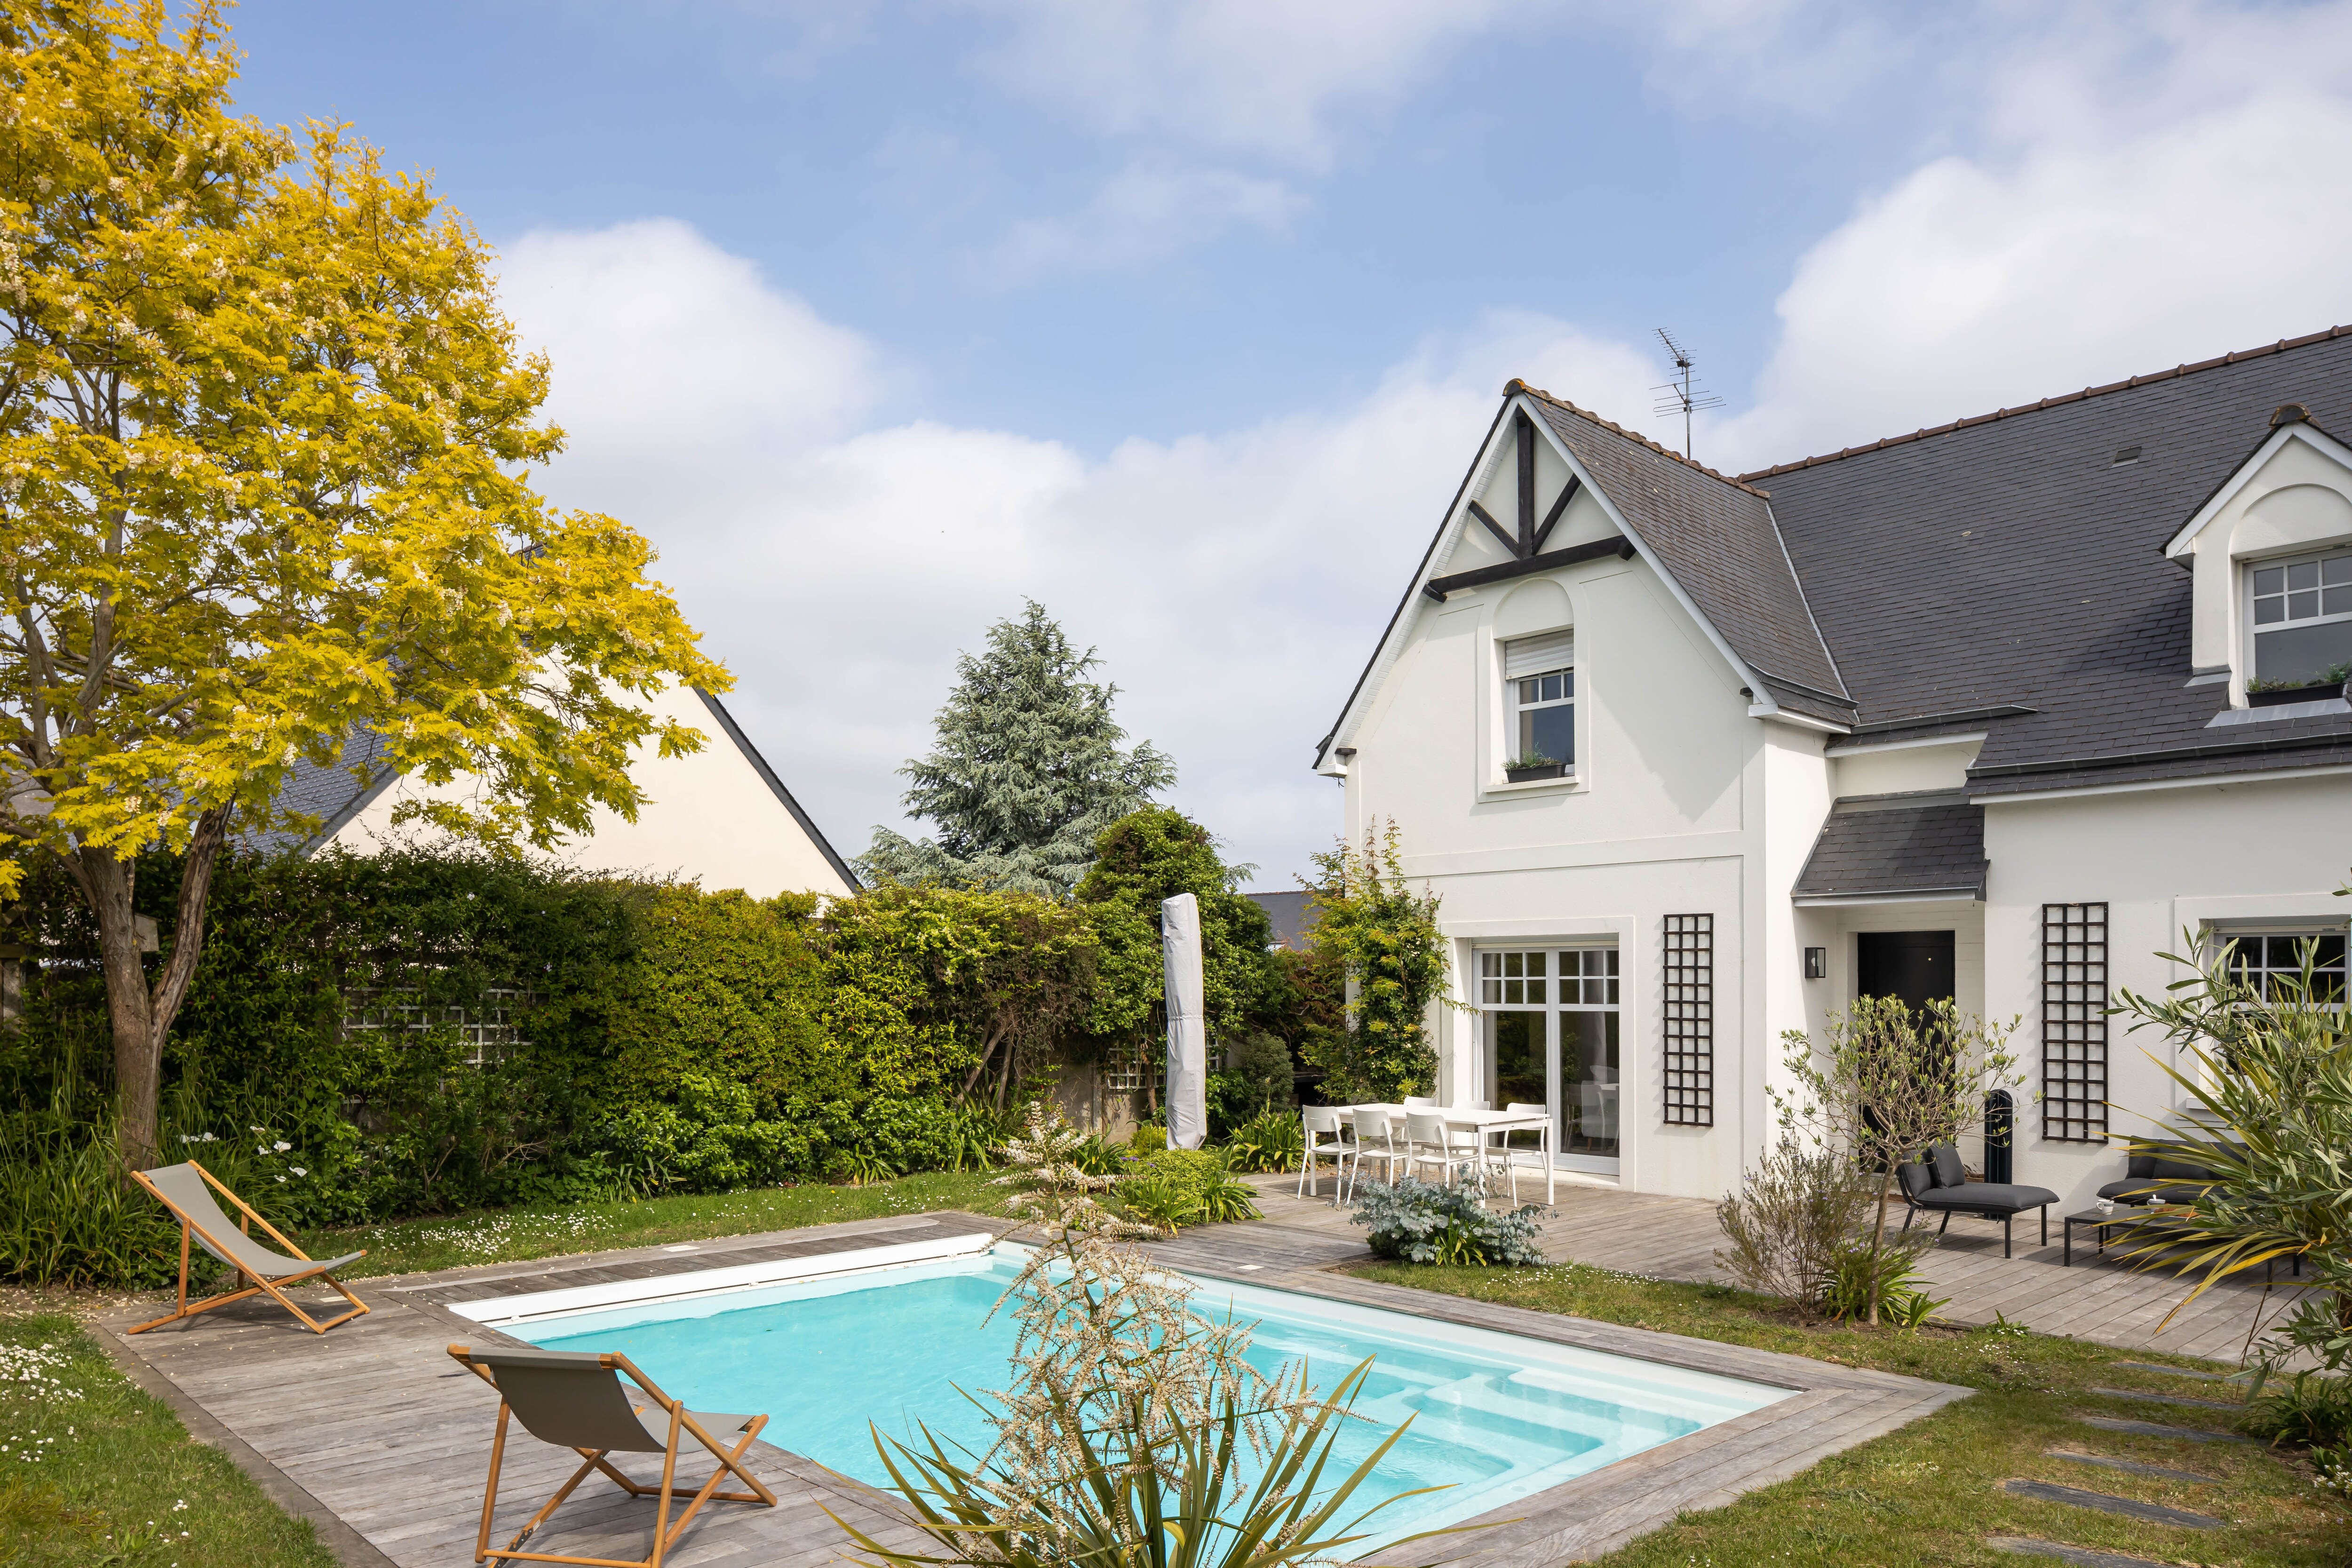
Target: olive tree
{"points": [[1884, 1082]]}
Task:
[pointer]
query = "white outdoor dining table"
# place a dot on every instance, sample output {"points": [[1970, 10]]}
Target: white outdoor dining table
{"points": [[1487, 1122]]}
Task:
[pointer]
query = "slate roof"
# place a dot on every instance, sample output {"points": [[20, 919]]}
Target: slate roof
{"points": [[1714, 537], [1878, 850], [2010, 560]]}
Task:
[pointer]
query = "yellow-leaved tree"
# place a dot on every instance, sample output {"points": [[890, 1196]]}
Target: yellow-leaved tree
{"points": [[264, 435]]}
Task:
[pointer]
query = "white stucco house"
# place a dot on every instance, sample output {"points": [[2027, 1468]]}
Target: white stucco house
{"points": [[1996, 710], [719, 815]]}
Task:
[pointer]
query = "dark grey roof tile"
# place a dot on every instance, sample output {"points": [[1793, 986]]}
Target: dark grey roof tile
{"points": [[1898, 849]]}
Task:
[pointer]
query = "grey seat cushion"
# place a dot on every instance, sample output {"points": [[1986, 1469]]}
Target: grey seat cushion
{"points": [[1994, 1198]]}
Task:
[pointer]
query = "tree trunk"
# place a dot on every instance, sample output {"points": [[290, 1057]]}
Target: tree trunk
{"points": [[140, 1015], [1878, 1236]]}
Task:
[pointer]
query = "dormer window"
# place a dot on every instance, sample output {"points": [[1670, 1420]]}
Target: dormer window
{"points": [[2302, 620], [1540, 673]]}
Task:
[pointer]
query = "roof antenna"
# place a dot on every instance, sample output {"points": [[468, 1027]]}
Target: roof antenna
{"points": [[1684, 396]]}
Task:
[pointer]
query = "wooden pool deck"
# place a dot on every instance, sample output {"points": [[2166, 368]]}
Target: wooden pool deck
{"points": [[377, 1437]]}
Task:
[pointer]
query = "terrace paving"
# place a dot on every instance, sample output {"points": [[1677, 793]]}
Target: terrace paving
{"points": [[2099, 1298]]}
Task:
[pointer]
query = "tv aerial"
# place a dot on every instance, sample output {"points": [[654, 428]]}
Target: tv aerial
{"points": [[1682, 395]]}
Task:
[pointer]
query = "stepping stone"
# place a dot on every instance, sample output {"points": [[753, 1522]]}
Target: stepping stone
{"points": [[2135, 1467], [2156, 1429], [2074, 1496], [2080, 1556], [2173, 1370], [2169, 1399]]}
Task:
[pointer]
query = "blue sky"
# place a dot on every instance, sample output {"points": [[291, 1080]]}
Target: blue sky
{"points": [[1185, 318]]}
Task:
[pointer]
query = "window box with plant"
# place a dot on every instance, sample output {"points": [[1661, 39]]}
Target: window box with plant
{"points": [[2332, 681], [1533, 765]]}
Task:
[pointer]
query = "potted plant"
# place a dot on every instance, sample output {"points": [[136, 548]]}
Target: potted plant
{"points": [[1533, 765], [2334, 681]]}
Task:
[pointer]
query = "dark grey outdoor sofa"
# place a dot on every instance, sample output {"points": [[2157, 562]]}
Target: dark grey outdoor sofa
{"points": [[2153, 1179], [1940, 1184]]}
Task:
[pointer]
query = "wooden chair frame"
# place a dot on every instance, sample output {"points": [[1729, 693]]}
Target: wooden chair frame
{"points": [[666, 1534], [259, 1286]]}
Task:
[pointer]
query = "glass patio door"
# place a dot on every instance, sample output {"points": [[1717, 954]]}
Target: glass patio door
{"points": [[1550, 1032]]}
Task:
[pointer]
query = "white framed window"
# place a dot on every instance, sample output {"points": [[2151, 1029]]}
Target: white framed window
{"points": [[1540, 676], [2259, 960], [2299, 614], [1550, 1031]]}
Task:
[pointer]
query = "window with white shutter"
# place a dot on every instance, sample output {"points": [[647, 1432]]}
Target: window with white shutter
{"points": [[1540, 676]]}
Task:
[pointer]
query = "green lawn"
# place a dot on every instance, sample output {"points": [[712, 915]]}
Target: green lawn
{"points": [[512, 1235], [95, 1474], [1929, 1493]]}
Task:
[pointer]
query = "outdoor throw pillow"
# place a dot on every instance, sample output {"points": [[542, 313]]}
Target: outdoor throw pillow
{"points": [[1949, 1172]]}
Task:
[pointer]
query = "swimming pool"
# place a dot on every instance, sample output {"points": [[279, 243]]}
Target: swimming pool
{"points": [[1496, 1416]]}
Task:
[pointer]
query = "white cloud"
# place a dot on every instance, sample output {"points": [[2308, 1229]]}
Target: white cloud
{"points": [[1154, 206], [1262, 77], [1234, 581], [672, 343], [2148, 189]]}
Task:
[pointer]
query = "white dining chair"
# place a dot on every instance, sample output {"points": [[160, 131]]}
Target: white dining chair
{"points": [[1420, 1102], [1510, 1156], [1466, 1140], [1321, 1127], [1426, 1144], [1375, 1139]]}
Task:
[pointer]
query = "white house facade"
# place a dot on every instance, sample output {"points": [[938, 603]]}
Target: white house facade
{"points": [[2000, 711], [719, 817]]}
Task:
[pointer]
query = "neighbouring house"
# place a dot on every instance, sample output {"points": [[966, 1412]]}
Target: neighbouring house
{"points": [[1998, 710], [719, 815], [1289, 915]]}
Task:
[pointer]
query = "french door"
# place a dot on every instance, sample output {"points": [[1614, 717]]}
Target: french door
{"points": [[1549, 1026]]}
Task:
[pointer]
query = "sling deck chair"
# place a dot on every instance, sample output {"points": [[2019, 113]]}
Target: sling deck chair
{"points": [[180, 1189], [575, 1399]]}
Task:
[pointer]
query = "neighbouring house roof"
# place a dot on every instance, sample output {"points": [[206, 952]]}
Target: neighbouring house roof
{"points": [[335, 795], [2010, 562], [1289, 915], [1888, 850]]}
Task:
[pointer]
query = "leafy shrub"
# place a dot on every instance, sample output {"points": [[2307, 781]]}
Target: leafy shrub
{"points": [[1420, 1222], [1160, 1198], [1177, 1187], [1257, 1080], [1148, 1139], [1791, 1220], [1274, 1142], [1097, 1158], [1887, 1276], [2309, 1408]]}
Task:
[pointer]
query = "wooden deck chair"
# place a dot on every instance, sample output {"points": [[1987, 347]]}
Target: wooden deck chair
{"points": [[181, 1189], [575, 1399]]}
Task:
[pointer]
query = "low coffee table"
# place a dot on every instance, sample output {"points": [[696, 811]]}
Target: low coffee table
{"points": [[2099, 1223]]}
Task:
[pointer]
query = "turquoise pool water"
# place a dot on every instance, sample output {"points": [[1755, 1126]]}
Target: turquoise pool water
{"points": [[1495, 1417]]}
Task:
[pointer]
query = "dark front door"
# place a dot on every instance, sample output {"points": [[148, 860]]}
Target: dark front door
{"points": [[1915, 966]]}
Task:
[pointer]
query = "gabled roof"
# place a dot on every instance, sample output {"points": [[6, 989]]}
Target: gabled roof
{"points": [[1717, 539], [1711, 537], [335, 795]]}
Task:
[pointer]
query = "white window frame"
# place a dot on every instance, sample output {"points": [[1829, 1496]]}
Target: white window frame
{"points": [[2297, 932], [1517, 704], [2249, 599], [1595, 986]]}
